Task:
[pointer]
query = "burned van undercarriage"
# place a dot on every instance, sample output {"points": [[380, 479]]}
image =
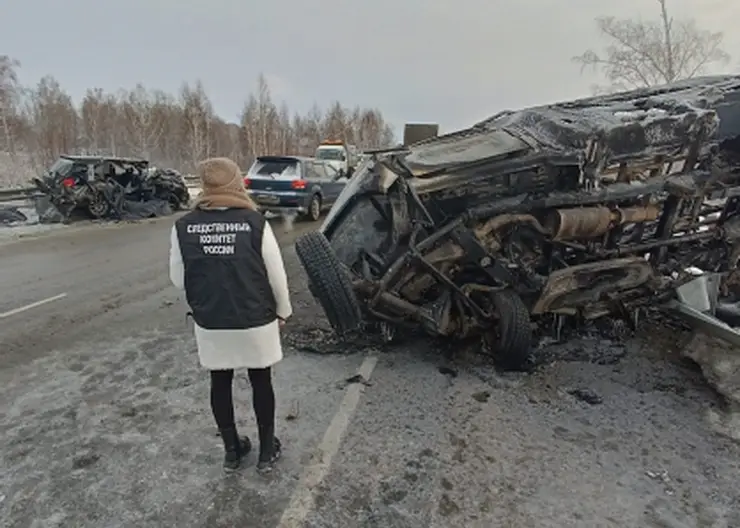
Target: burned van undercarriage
{"points": [[576, 211]]}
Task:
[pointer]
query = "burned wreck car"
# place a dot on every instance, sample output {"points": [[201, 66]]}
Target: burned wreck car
{"points": [[536, 218], [110, 187]]}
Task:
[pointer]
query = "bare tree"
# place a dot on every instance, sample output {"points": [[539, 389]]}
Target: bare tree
{"points": [[285, 132], [248, 124], [9, 93], [53, 119], [173, 131], [335, 123], [99, 117], [170, 115], [267, 117], [143, 123], [646, 53], [198, 120]]}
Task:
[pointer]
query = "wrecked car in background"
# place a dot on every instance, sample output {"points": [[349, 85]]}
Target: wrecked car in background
{"points": [[109, 187], [536, 218]]}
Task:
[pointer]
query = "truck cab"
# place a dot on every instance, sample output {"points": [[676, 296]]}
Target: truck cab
{"points": [[339, 155]]}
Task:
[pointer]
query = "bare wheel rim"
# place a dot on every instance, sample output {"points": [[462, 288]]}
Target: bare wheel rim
{"points": [[97, 205]]}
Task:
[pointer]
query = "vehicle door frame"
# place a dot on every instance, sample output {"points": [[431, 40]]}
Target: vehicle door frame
{"points": [[334, 185], [316, 182]]}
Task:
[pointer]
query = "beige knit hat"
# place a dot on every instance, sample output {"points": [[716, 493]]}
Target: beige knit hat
{"points": [[222, 185]]}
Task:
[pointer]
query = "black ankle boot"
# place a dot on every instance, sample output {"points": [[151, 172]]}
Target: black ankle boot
{"points": [[236, 448], [270, 451]]}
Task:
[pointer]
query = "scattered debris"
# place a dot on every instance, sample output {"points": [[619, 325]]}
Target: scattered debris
{"points": [[482, 396], [85, 461], [663, 477], [294, 413], [720, 365], [587, 396], [357, 378], [11, 215]]}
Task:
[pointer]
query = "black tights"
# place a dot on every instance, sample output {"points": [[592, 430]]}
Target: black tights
{"points": [[263, 400]]}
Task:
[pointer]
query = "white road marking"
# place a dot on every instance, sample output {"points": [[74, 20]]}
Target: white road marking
{"points": [[302, 500], [32, 305]]}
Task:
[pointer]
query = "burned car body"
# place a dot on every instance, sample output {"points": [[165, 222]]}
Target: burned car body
{"points": [[576, 210], [111, 187]]}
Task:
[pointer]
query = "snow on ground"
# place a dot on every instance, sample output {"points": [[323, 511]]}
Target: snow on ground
{"points": [[10, 233]]}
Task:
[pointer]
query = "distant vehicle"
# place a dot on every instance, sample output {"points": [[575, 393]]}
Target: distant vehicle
{"points": [[294, 183], [343, 157], [100, 185]]}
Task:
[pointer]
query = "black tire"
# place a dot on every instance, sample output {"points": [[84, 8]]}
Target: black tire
{"points": [[511, 342], [330, 282], [314, 208], [174, 202]]}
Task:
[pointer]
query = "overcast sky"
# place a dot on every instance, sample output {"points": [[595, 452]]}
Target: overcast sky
{"points": [[449, 61]]}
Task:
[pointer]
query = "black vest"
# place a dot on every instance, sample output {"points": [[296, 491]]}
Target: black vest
{"points": [[226, 282]]}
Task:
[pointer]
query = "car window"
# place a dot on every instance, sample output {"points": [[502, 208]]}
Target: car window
{"points": [[319, 169], [62, 167], [331, 171], [334, 154], [284, 169], [308, 170]]}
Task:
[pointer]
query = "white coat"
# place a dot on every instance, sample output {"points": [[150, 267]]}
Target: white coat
{"points": [[257, 347]]}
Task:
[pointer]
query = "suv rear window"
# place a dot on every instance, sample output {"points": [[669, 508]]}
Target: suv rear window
{"points": [[285, 169], [62, 167]]}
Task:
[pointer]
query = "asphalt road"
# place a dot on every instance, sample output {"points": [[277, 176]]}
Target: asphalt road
{"points": [[105, 419]]}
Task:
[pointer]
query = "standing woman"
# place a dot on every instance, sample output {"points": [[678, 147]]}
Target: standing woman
{"points": [[226, 258]]}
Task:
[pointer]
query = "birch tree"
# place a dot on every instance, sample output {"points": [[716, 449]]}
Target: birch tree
{"points": [[9, 95], [143, 124], [641, 53], [198, 119]]}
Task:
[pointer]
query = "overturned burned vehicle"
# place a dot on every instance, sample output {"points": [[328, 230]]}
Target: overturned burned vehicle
{"points": [[536, 218], [110, 187]]}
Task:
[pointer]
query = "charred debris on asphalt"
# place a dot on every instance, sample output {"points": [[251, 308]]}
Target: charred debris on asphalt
{"points": [[108, 188], [538, 221]]}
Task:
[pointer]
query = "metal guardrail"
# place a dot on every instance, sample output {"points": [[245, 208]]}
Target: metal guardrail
{"points": [[9, 195]]}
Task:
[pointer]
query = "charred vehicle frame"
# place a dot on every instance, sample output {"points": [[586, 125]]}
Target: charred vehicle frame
{"points": [[102, 186], [530, 219]]}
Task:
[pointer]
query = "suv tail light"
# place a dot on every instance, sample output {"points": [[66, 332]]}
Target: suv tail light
{"points": [[247, 182], [68, 182], [298, 184]]}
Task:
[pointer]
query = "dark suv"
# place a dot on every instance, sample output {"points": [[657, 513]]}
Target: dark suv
{"points": [[102, 185]]}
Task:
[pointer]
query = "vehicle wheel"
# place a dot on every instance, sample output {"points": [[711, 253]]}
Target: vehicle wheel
{"points": [[314, 208], [330, 282], [98, 206], [174, 202], [511, 340]]}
